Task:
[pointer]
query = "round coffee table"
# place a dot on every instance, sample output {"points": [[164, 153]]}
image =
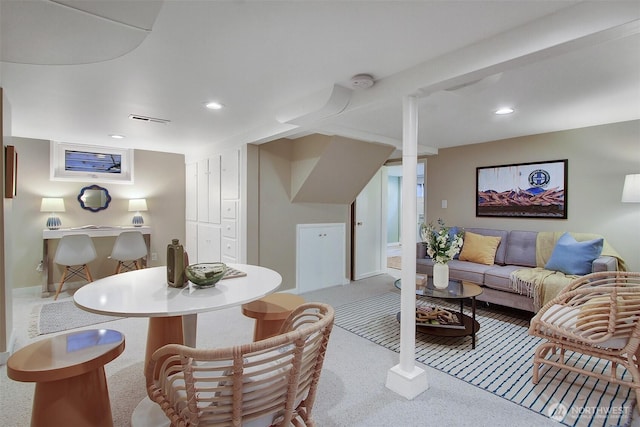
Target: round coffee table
{"points": [[459, 290]]}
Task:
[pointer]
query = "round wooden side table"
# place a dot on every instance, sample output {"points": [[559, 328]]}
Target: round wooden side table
{"points": [[71, 386], [270, 313]]}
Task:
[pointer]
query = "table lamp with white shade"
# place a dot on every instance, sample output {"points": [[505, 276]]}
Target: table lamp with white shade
{"points": [[52, 205], [631, 189], [137, 206]]}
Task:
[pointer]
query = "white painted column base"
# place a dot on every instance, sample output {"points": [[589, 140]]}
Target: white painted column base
{"points": [[407, 384]]}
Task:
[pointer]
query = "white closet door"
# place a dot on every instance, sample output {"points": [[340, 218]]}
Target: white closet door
{"points": [[229, 175], [208, 243], [213, 193], [333, 250], [321, 260], [191, 241], [191, 192], [208, 184], [203, 190]]}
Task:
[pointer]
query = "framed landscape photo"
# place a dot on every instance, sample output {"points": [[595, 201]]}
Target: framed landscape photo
{"points": [[523, 190]]}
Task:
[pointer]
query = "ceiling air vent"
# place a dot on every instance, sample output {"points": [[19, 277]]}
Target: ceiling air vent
{"points": [[147, 119]]}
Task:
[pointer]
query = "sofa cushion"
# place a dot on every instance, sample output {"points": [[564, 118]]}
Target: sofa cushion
{"points": [[499, 277], [572, 257], [468, 271], [502, 247], [521, 248], [479, 248]]}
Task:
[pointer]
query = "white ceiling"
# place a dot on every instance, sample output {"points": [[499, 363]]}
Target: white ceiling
{"points": [[74, 70]]}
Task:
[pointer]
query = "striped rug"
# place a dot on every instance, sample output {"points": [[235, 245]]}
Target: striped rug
{"points": [[501, 362]]}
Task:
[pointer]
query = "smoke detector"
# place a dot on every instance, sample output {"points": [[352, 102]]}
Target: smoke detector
{"points": [[362, 81]]}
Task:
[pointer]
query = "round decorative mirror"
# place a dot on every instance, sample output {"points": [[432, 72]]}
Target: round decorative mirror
{"points": [[94, 198]]}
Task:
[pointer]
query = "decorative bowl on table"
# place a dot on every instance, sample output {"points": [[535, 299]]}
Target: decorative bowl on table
{"points": [[206, 274]]}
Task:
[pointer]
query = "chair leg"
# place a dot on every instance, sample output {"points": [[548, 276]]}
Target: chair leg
{"points": [[128, 266], [87, 272], [539, 357], [62, 279], [65, 275]]}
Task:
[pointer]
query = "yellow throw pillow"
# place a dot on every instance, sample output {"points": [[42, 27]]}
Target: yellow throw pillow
{"points": [[479, 249]]}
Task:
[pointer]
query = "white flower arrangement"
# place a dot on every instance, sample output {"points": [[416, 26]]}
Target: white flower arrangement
{"points": [[442, 245]]}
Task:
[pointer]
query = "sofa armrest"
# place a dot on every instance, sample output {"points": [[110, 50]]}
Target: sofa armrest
{"points": [[421, 250], [604, 263]]}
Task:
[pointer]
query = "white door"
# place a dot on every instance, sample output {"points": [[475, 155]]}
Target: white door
{"points": [[369, 241], [208, 243], [191, 192], [320, 256]]}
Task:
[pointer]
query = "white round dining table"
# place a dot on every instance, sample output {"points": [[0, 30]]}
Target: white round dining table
{"points": [[172, 312]]}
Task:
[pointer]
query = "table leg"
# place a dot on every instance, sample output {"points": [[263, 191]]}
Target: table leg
{"points": [[147, 241], [163, 330], [82, 400], [48, 274], [473, 323]]}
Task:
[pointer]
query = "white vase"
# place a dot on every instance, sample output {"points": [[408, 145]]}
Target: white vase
{"points": [[440, 275]]}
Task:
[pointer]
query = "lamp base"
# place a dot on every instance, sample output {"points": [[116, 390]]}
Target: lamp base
{"points": [[137, 220], [53, 223]]}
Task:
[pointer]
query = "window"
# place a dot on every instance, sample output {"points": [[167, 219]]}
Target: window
{"points": [[75, 162]]}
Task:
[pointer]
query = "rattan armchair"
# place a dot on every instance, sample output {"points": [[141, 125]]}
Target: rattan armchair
{"points": [[268, 382], [597, 315]]}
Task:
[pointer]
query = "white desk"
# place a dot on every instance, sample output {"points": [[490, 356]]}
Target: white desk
{"points": [[172, 312], [93, 232]]}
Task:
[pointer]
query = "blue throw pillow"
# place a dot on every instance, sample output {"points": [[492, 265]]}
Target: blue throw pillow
{"points": [[572, 257]]}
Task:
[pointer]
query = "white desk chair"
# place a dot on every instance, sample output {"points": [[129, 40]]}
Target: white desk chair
{"points": [[74, 252], [128, 249]]}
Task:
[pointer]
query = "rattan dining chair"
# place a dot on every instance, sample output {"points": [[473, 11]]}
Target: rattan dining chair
{"points": [[74, 252], [264, 383], [128, 249], [597, 315]]}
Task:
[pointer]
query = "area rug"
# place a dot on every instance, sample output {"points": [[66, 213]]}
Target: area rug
{"points": [[501, 362], [61, 316], [394, 262]]}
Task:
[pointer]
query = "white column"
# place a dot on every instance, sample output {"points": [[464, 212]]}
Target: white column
{"points": [[406, 378]]}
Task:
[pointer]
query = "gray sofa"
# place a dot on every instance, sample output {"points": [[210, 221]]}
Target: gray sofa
{"points": [[517, 249]]}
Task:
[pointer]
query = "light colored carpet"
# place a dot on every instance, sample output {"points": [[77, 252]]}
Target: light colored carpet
{"points": [[394, 262], [62, 316], [351, 392], [501, 362]]}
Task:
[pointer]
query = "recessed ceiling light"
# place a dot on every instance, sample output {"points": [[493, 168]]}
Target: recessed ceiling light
{"points": [[115, 136], [504, 110], [213, 105]]}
